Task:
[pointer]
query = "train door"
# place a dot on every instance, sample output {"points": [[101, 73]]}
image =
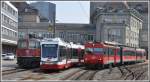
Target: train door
{"points": [[79, 55], [121, 55], [62, 53], [111, 55], [68, 55], [115, 56]]}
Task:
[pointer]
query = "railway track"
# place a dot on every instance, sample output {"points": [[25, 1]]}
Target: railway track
{"points": [[71, 74], [135, 75], [15, 70], [81, 75], [10, 71], [134, 72], [87, 75]]}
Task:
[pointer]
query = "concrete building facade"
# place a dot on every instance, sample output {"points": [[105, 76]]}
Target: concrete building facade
{"points": [[9, 27], [77, 33], [141, 7], [117, 19], [30, 22], [46, 10]]}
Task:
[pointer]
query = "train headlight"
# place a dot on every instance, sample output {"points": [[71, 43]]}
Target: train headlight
{"points": [[85, 59], [93, 57], [99, 59], [27, 51]]}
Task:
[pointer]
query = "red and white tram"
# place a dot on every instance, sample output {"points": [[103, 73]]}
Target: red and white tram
{"points": [[57, 54]]}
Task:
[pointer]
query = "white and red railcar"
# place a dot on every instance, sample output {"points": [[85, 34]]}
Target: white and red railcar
{"points": [[57, 54]]}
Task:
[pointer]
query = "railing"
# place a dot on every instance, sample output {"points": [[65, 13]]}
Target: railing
{"points": [[76, 38]]}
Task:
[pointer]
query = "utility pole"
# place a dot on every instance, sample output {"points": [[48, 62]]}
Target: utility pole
{"points": [[54, 31]]}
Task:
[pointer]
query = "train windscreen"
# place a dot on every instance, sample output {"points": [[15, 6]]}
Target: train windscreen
{"points": [[34, 44], [98, 50], [89, 50], [49, 50], [22, 44], [95, 50]]}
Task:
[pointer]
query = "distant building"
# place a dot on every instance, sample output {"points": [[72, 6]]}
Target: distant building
{"points": [[46, 10], [29, 21], [115, 21], [77, 33], [141, 7], [9, 26]]}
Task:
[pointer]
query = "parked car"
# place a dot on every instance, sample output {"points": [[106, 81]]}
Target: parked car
{"points": [[3, 56], [9, 56]]}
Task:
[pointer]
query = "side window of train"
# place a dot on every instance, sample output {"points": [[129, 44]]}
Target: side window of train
{"points": [[62, 52], [68, 52], [75, 53], [111, 51], [105, 51], [118, 52], [126, 53], [133, 53]]}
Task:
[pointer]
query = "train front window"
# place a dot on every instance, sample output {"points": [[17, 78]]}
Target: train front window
{"points": [[22, 44], [89, 50], [49, 50], [34, 44], [98, 50]]}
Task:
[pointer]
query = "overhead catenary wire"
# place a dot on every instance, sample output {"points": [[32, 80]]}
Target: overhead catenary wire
{"points": [[83, 9]]}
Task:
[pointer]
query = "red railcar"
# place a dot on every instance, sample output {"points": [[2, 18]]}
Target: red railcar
{"points": [[140, 55], [28, 53], [101, 54]]}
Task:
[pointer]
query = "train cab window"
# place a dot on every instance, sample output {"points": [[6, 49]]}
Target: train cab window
{"points": [[34, 44], [49, 50], [98, 50], [22, 44], [89, 50]]}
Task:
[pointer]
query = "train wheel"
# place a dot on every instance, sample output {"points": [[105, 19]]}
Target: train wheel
{"points": [[100, 66]]}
